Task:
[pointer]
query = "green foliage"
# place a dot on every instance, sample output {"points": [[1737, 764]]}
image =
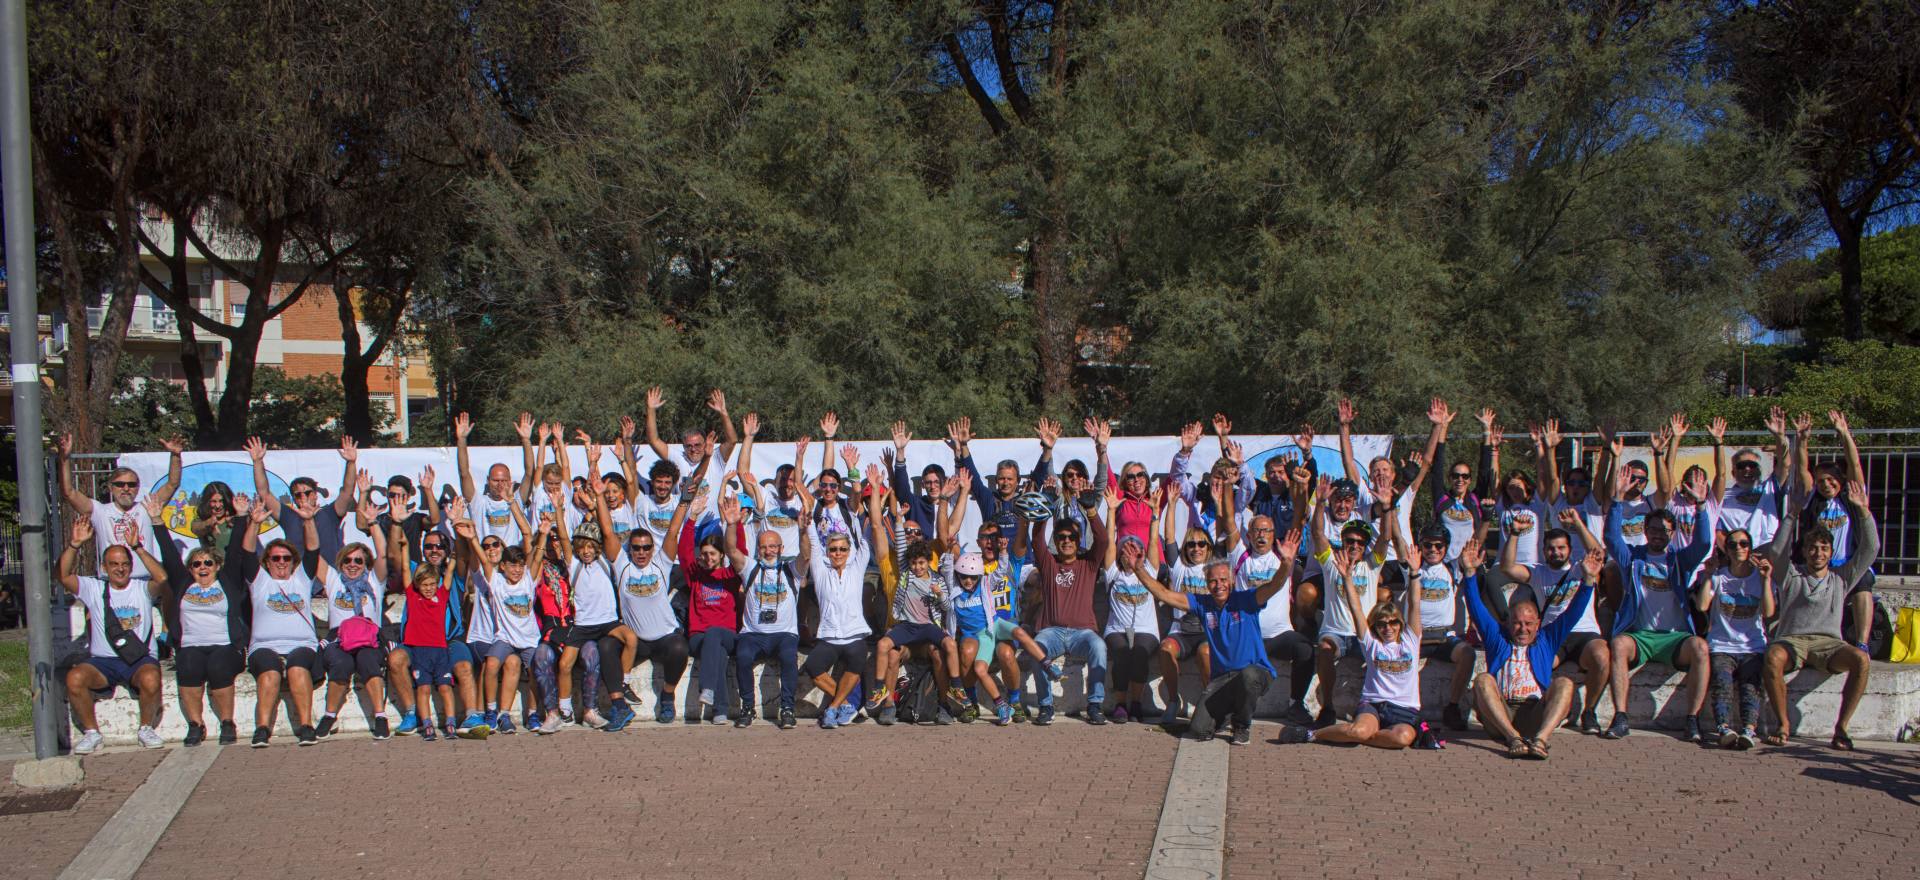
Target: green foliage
{"points": [[16, 686], [1804, 294], [1876, 384], [302, 413], [143, 411]]}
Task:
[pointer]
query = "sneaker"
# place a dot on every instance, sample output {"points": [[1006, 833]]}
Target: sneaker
{"points": [[1003, 715], [1324, 719], [1743, 740], [427, 734], [1296, 734], [474, 726], [1453, 718], [325, 728], [626, 691], [260, 737], [1119, 715], [970, 714], [1170, 715], [1725, 737], [849, 713], [1095, 715], [229, 734], [409, 723], [1617, 729], [745, 720], [88, 743], [303, 735], [447, 730], [533, 723], [491, 717], [381, 730], [942, 717], [547, 726], [786, 721], [1044, 717], [619, 715], [148, 737], [876, 701], [196, 734], [1242, 736], [720, 718], [503, 724], [1589, 722], [1297, 713], [830, 719], [592, 718], [663, 710], [1693, 729], [1020, 713], [887, 715]]}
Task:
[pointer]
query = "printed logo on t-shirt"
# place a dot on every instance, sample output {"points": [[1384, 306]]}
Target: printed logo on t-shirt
{"points": [[1655, 581], [1832, 518], [129, 617], [498, 517], [1394, 664], [770, 589], [658, 520], [1634, 526], [1131, 593], [518, 605], [643, 585], [781, 517], [1458, 513], [1739, 607], [1561, 593], [283, 603], [1435, 589], [343, 602], [210, 594], [1521, 521]]}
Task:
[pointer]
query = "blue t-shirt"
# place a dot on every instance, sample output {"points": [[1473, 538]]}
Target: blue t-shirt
{"points": [[1233, 631], [970, 611]]}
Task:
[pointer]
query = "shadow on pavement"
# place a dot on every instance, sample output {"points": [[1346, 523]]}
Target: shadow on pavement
{"points": [[1895, 773]]}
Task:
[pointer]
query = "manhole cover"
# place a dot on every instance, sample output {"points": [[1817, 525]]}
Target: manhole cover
{"points": [[42, 802]]}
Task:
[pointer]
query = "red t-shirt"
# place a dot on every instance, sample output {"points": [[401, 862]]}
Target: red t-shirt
{"points": [[426, 619], [710, 591]]}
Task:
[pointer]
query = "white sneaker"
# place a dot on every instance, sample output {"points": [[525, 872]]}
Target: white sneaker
{"points": [[88, 743], [592, 719], [551, 724], [148, 737]]}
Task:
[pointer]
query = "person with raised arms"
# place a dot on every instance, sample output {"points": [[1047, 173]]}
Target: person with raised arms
{"points": [[1273, 497], [1813, 596], [919, 608], [1552, 582], [494, 510], [330, 520], [1684, 499], [1752, 503], [122, 618], [207, 596], [997, 504], [1827, 506], [933, 482], [504, 588], [1574, 492], [1522, 511], [1133, 625], [783, 506], [1231, 620], [770, 626], [1186, 639], [1003, 573], [123, 518], [1519, 699], [596, 617], [1625, 482], [355, 590], [713, 596], [1381, 485], [697, 448], [284, 651], [1256, 559], [1202, 510], [644, 576], [1735, 588], [1443, 618], [1389, 714], [1652, 622], [1063, 595], [1359, 561], [836, 571]]}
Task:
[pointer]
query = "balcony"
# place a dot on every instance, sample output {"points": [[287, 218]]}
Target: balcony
{"points": [[147, 322]]}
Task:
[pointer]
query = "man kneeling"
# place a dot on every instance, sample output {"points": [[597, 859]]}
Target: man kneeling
{"points": [[1518, 698]]}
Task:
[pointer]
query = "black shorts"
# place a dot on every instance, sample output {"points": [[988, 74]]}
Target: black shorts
{"points": [[343, 666], [264, 660], [827, 657], [1441, 650], [390, 634], [1190, 643], [214, 666], [581, 635], [1575, 643], [906, 635]]}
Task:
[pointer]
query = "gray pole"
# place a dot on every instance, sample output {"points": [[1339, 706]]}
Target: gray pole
{"points": [[23, 307]]}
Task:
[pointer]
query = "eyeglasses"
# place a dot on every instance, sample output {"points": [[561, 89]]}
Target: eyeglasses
{"points": [[1459, 476], [1747, 463], [426, 547], [354, 560], [838, 549], [1433, 545], [280, 557], [125, 484], [1261, 530], [1194, 545], [1135, 476], [639, 548], [1740, 545], [200, 563], [492, 545]]}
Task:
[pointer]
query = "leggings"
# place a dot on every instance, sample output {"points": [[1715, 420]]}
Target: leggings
{"points": [[1294, 648], [713, 646], [1731, 668], [669, 655], [546, 665], [1127, 656]]}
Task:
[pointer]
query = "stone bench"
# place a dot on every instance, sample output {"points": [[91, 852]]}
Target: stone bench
{"points": [[1892, 699]]}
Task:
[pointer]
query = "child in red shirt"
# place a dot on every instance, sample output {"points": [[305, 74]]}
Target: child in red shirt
{"points": [[425, 638]]}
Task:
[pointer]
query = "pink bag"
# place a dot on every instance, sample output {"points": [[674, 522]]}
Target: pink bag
{"points": [[357, 632]]}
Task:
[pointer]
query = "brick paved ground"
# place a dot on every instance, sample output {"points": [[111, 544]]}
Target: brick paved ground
{"points": [[41, 844], [1070, 800], [1649, 806]]}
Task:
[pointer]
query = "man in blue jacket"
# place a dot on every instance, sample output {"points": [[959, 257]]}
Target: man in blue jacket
{"points": [[1518, 698], [1652, 622]]}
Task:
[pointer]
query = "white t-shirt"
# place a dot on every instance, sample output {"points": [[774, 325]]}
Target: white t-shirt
{"points": [[1191, 580], [1393, 670], [1130, 607], [1734, 623], [593, 601], [1554, 589], [132, 606], [841, 593], [1590, 512], [1438, 587], [1457, 519], [203, 615], [625, 519], [1685, 511], [111, 526], [1337, 620], [340, 604], [646, 606], [1755, 508], [512, 602], [770, 599], [282, 612], [1251, 572], [1829, 512], [493, 518], [1402, 515], [1633, 520], [657, 515], [781, 518], [1523, 524], [480, 617]]}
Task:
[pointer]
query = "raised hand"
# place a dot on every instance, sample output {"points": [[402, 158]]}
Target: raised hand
{"points": [[1777, 421], [362, 482], [1344, 409], [750, 425], [1552, 434], [1101, 431], [1803, 424], [960, 431], [523, 425], [1569, 517], [1438, 412], [730, 510], [851, 455], [546, 433], [426, 480], [901, 436], [366, 510], [243, 506], [886, 457], [308, 507], [155, 505], [1697, 486], [464, 528], [173, 445], [627, 428], [830, 424], [65, 445], [1290, 545], [1236, 453], [1496, 435], [1593, 563], [1189, 436], [1048, 431], [1485, 418], [349, 450], [655, 397], [1222, 426], [717, 401], [1765, 566], [1471, 556], [1717, 429], [462, 426], [961, 480], [1677, 427], [1114, 498], [1538, 435], [800, 451], [1857, 494], [1838, 418], [1304, 439], [874, 477], [256, 450], [1324, 490], [1300, 477]]}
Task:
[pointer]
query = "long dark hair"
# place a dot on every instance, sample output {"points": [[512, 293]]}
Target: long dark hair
{"points": [[207, 493]]}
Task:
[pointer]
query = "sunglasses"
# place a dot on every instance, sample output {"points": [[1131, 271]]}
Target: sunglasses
{"points": [[1433, 545], [1462, 476], [1194, 545], [1740, 545], [200, 563], [125, 484], [1138, 476], [1065, 536], [425, 547], [1747, 463], [1580, 483], [300, 493], [914, 533], [354, 560], [1353, 542], [838, 549], [639, 548], [492, 545], [280, 557]]}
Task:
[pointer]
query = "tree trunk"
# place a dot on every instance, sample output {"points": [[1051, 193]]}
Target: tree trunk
{"points": [[82, 422], [1056, 316], [1851, 284]]}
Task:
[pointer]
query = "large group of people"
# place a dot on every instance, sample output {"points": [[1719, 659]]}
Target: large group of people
{"points": [[507, 605]]}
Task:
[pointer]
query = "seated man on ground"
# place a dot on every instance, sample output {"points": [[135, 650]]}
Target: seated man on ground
{"points": [[1518, 698]]}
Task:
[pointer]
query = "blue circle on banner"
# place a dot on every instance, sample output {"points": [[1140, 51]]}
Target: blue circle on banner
{"points": [[1326, 461], [184, 506]]}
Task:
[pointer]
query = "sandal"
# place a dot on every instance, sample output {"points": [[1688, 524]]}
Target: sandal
{"points": [[1841, 741], [1775, 739], [1536, 750], [1517, 748]]}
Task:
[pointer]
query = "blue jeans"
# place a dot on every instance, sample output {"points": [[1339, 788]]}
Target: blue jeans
{"points": [[1084, 643], [750, 648], [713, 646]]}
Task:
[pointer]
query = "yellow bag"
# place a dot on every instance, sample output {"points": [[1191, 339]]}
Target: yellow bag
{"points": [[1906, 637]]}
